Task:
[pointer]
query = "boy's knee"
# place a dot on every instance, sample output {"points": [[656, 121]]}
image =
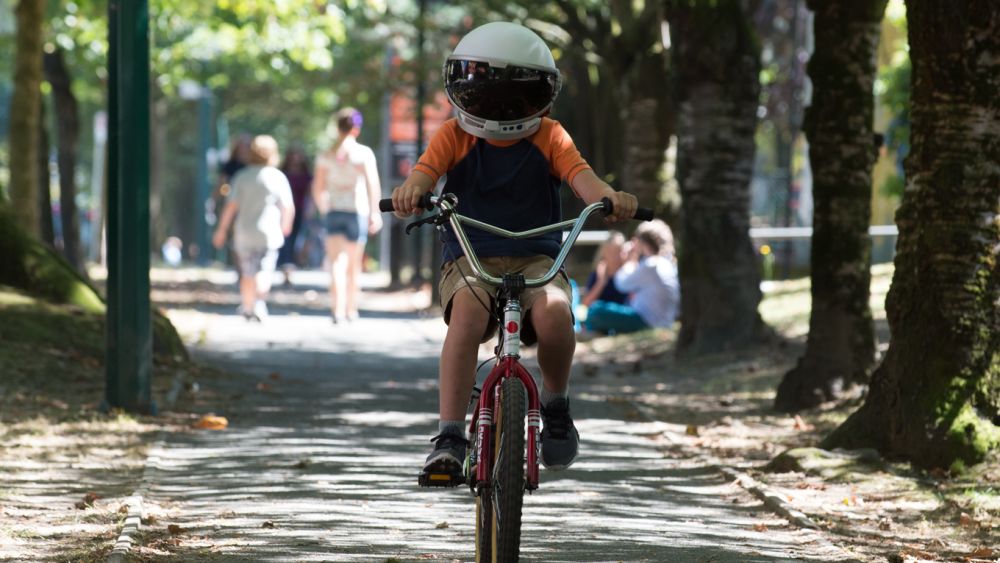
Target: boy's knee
{"points": [[469, 308], [552, 317]]}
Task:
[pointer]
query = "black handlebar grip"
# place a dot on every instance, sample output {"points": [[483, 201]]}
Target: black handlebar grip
{"points": [[643, 214], [385, 205]]}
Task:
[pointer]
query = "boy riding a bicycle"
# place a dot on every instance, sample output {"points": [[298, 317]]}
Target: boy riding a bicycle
{"points": [[505, 161]]}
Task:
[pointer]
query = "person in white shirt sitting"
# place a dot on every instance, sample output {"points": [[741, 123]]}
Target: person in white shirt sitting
{"points": [[649, 276]]}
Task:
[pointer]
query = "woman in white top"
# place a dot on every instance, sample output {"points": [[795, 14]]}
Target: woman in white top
{"points": [[649, 276], [346, 190], [261, 210]]}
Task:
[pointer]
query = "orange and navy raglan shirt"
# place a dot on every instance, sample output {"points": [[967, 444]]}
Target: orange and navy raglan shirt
{"points": [[513, 185]]}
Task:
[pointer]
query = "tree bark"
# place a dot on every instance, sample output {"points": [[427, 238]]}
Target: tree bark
{"points": [[46, 228], [24, 114], [648, 127], [68, 129], [935, 399], [840, 350], [717, 64], [627, 37]]}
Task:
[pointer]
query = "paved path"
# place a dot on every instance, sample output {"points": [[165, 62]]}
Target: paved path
{"points": [[321, 466]]}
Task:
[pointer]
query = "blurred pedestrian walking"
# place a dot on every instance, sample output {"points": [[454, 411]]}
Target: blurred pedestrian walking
{"points": [[346, 190], [261, 210], [299, 173]]}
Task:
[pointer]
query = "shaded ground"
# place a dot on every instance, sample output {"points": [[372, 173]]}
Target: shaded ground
{"points": [[719, 409], [65, 467], [328, 425], [56, 449]]}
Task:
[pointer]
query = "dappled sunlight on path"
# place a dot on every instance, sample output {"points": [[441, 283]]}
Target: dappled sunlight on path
{"points": [[320, 465]]}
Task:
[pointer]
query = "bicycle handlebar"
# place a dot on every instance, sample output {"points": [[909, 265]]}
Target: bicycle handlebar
{"points": [[447, 205], [429, 200]]}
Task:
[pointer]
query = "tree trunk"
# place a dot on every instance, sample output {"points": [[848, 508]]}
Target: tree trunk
{"points": [[46, 228], [24, 114], [37, 269], [717, 65], [648, 126], [840, 350], [935, 400], [68, 128]]}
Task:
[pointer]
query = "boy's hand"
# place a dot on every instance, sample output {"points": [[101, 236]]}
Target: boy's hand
{"points": [[406, 199], [219, 239], [624, 204]]}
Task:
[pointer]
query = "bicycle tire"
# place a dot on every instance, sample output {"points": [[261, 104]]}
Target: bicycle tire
{"points": [[484, 527], [507, 486]]}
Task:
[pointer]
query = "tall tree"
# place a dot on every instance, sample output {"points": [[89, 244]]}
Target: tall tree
{"points": [[68, 131], [716, 60], [936, 397], [24, 113], [840, 350], [628, 38]]}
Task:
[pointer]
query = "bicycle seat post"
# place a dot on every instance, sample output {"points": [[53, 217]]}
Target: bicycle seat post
{"points": [[512, 287]]}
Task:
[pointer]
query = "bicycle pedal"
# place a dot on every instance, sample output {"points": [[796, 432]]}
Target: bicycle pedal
{"points": [[434, 479]]}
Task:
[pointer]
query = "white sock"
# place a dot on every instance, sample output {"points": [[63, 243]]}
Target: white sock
{"points": [[549, 396]]}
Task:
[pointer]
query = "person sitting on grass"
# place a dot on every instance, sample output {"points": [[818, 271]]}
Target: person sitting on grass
{"points": [[600, 283], [649, 276]]}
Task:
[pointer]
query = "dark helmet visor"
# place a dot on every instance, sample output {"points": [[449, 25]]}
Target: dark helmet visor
{"points": [[493, 93]]}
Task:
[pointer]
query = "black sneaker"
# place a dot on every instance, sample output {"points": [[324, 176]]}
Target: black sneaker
{"points": [[560, 440], [443, 467]]}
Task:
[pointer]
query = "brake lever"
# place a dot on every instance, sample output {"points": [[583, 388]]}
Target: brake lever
{"points": [[433, 219]]}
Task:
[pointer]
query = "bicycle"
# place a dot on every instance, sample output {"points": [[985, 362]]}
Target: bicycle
{"points": [[503, 462]]}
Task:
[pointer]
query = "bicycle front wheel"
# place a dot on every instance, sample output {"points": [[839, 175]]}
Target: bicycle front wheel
{"points": [[507, 482]]}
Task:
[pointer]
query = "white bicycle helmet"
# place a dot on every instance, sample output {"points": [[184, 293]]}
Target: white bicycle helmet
{"points": [[502, 79]]}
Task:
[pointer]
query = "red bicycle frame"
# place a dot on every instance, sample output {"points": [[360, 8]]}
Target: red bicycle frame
{"points": [[482, 419]]}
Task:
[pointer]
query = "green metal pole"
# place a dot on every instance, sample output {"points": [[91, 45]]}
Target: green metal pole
{"points": [[129, 330]]}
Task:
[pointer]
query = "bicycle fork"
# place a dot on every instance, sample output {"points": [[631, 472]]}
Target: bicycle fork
{"points": [[482, 420]]}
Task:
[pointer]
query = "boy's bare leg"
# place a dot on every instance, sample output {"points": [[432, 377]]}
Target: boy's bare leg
{"points": [[550, 315], [460, 351]]}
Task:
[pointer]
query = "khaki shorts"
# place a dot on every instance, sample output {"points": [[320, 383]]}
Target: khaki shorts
{"points": [[530, 266]]}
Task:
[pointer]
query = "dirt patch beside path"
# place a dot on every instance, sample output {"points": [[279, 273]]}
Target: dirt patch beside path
{"points": [[719, 409]]}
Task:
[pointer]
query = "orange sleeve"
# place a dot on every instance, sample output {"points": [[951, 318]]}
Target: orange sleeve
{"points": [[442, 152], [564, 158]]}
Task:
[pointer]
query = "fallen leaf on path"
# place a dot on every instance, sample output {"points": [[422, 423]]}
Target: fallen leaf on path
{"points": [[174, 529], [917, 553], [267, 524], [691, 430], [852, 500], [442, 526], [982, 553], [212, 422], [275, 376], [802, 426], [760, 527], [301, 464], [88, 501], [967, 521]]}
